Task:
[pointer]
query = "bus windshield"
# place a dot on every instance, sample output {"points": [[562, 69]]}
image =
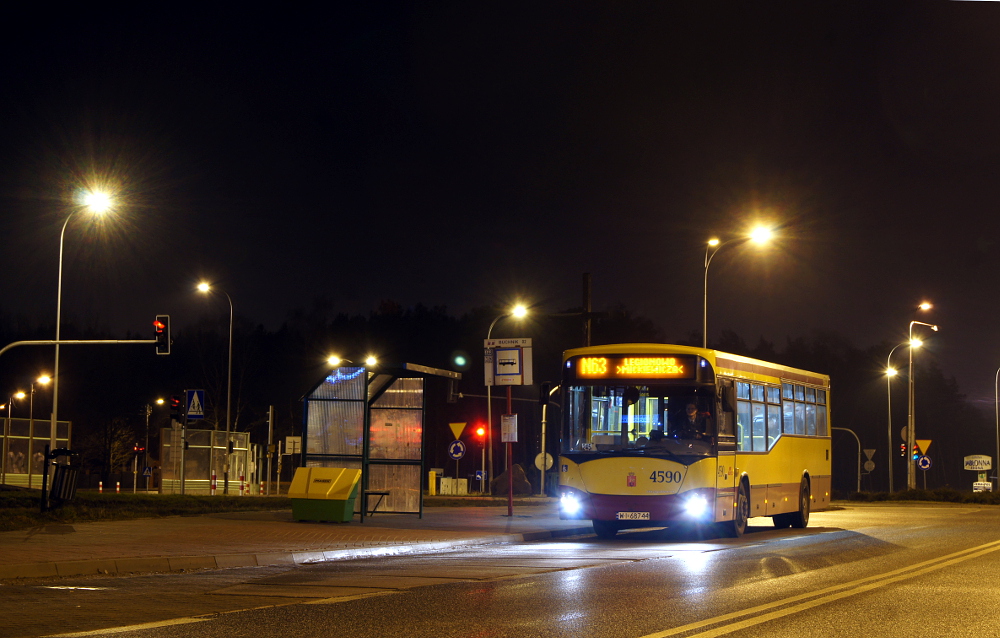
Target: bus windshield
{"points": [[641, 418]]}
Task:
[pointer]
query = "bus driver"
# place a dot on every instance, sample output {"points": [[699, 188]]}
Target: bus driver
{"points": [[693, 424]]}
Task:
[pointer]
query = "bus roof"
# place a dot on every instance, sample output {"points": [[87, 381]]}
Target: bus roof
{"points": [[733, 365]]}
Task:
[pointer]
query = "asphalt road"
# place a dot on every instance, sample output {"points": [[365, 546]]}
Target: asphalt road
{"points": [[886, 571]]}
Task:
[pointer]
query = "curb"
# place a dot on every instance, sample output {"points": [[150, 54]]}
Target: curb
{"points": [[263, 559]]}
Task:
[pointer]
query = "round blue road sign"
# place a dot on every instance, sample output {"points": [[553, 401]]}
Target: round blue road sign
{"points": [[456, 450], [924, 462]]}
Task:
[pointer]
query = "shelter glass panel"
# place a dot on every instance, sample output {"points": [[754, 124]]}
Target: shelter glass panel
{"points": [[401, 481], [395, 434], [403, 393], [343, 383], [335, 427]]}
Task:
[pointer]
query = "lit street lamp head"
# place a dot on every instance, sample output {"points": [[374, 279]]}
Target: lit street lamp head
{"points": [[97, 202], [204, 287], [519, 311], [761, 235]]}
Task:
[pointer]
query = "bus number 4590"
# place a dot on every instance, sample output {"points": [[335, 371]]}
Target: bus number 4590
{"points": [[663, 476]]}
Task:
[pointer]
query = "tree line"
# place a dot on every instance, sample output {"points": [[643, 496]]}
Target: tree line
{"points": [[105, 390]]}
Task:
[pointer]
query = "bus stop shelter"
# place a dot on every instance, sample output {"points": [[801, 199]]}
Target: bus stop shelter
{"points": [[372, 419]]}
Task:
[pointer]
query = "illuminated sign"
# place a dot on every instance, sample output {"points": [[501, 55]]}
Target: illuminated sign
{"points": [[635, 367]]}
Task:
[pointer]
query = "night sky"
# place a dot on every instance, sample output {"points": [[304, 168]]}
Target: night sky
{"points": [[470, 154]]}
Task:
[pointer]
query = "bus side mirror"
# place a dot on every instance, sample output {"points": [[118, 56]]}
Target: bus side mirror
{"points": [[729, 398], [544, 390]]}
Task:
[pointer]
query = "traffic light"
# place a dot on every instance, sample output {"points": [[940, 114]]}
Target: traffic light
{"points": [[161, 329], [176, 408], [481, 434], [916, 452], [544, 392], [232, 446], [902, 450], [138, 449]]}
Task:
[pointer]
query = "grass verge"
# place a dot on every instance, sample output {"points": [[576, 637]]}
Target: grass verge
{"points": [[21, 509]]}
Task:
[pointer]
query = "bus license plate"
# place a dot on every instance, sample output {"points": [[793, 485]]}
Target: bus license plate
{"points": [[632, 516]]}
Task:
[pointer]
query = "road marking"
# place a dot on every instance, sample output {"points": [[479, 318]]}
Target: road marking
{"points": [[120, 630], [822, 596]]}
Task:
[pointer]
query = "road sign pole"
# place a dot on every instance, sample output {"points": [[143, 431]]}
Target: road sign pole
{"points": [[510, 469]]}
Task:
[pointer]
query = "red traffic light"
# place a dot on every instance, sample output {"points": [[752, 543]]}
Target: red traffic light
{"points": [[480, 431], [161, 332]]}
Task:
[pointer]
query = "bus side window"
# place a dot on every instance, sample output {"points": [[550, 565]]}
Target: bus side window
{"points": [[744, 423]]}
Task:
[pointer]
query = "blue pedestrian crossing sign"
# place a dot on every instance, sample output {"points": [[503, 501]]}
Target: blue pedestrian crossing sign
{"points": [[148, 471], [456, 450], [195, 404]]}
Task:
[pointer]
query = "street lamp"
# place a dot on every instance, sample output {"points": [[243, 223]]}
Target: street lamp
{"points": [[760, 235], [44, 379], [370, 361], [911, 474], [97, 203], [205, 288], [890, 372], [518, 312], [6, 435], [996, 405], [145, 449]]}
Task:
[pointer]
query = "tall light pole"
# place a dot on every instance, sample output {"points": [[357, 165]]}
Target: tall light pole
{"points": [[890, 372], [996, 405], [760, 235], [98, 203], [205, 288], [911, 471], [31, 423], [145, 453], [6, 436], [518, 312]]}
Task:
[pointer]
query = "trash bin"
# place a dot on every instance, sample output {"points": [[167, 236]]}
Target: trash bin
{"points": [[64, 482], [324, 494]]}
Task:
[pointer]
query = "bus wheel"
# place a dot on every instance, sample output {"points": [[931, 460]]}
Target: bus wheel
{"points": [[741, 513], [605, 529], [800, 518]]}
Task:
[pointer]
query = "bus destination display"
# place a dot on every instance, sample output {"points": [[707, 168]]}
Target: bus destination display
{"points": [[635, 367]]}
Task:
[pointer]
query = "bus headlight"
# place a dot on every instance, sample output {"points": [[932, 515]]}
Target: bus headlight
{"points": [[570, 504], [696, 506]]}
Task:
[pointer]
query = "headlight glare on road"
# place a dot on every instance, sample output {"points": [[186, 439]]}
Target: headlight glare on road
{"points": [[570, 504]]}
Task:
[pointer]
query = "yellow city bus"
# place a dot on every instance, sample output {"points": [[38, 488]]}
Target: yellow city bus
{"points": [[659, 435]]}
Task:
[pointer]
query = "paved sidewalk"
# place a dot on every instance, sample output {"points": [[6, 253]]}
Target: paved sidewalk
{"points": [[261, 538]]}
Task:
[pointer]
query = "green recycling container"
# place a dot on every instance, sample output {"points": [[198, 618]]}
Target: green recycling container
{"points": [[325, 494]]}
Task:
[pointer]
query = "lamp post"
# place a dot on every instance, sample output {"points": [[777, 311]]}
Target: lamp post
{"points": [[760, 235], [205, 288], [97, 203], [31, 423], [6, 435], [145, 453], [911, 473], [518, 312], [996, 405], [890, 372]]}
